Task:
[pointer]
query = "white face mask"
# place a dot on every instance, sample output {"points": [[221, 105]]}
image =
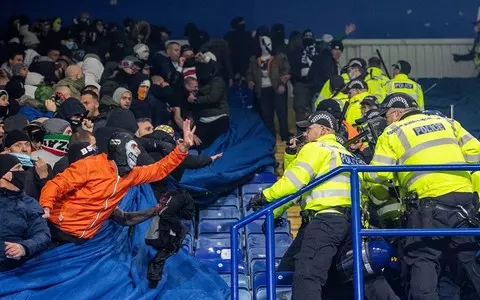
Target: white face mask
{"points": [[265, 45], [143, 55], [132, 152]]}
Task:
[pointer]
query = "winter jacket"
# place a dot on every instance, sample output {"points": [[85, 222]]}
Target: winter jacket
{"points": [[99, 121], [21, 222], [241, 45], [323, 67], [32, 113], [83, 197], [33, 183], [278, 67], [212, 99]]}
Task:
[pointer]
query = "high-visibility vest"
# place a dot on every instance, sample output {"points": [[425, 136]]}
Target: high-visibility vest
{"points": [[402, 84], [312, 161], [419, 139]]}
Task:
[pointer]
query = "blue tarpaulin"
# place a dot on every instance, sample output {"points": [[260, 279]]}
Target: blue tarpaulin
{"points": [[113, 265], [247, 147]]}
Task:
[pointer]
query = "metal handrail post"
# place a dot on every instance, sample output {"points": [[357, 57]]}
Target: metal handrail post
{"points": [[234, 263], [356, 237], [270, 253]]}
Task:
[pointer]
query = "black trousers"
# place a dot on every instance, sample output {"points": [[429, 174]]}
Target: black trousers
{"points": [[323, 236], [270, 104], [60, 237], [302, 101], [422, 255], [311, 256], [209, 132]]}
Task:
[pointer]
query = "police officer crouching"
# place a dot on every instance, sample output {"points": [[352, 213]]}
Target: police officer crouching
{"points": [[327, 206], [436, 199]]}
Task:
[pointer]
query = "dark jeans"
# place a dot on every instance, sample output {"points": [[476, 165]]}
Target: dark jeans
{"points": [[271, 103], [423, 254], [302, 101], [209, 132]]}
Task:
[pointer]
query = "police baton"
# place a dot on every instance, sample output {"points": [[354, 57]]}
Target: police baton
{"points": [[383, 63], [430, 88]]}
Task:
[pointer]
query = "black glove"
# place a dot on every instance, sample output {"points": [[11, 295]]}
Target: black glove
{"points": [[394, 191], [456, 57], [257, 202], [278, 222]]}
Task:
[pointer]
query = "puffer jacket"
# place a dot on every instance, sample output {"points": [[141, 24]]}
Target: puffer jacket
{"points": [[277, 68], [83, 197], [212, 99], [21, 222]]}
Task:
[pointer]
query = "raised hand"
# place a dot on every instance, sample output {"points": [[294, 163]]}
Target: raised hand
{"points": [[188, 136]]}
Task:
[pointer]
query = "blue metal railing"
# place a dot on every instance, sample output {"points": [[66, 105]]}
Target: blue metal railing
{"points": [[357, 231]]}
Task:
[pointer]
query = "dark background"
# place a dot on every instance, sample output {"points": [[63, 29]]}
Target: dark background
{"points": [[374, 18]]}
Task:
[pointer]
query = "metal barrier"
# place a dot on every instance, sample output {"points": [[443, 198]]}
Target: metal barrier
{"points": [[357, 231]]}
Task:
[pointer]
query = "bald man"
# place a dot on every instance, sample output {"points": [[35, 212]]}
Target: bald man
{"points": [[74, 72]]}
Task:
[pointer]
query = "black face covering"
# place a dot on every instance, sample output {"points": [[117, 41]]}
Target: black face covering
{"points": [[75, 124], [18, 179], [205, 72], [308, 42], [122, 150]]}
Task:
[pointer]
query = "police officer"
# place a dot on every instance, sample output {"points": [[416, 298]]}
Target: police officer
{"points": [[327, 205], [357, 70], [438, 199], [357, 91], [401, 83]]}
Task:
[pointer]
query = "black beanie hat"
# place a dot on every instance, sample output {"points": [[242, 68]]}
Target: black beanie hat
{"points": [[15, 89], [7, 162], [15, 136], [79, 151]]}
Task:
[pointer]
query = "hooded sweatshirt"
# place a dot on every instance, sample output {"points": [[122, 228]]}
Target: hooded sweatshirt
{"points": [[93, 70], [30, 56]]}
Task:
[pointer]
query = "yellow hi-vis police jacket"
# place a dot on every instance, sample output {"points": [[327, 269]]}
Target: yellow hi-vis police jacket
{"points": [[326, 93], [402, 84], [312, 161], [419, 139], [354, 111], [376, 80]]}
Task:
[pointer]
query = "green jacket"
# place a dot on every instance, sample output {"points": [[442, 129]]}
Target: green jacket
{"points": [[212, 99]]}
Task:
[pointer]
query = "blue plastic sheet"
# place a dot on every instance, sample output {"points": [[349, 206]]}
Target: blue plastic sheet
{"points": [[113, 265], [247, 147]]}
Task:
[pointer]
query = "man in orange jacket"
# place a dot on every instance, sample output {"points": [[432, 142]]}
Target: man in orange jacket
{"points": [[79, 200]]}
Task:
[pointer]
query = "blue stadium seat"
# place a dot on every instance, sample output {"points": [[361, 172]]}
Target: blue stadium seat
{"points": [[220, 213], [256, 227], [269, 169], [284, 293], [223, 266], [244, 294], [187, 243], [260, 253], [284, 282], [230, 200], [258, 240], [190, 226], [243, 280], [217, 253], [260, 265], [254, 188], [264, 178], [214, 240], [216, 226]]}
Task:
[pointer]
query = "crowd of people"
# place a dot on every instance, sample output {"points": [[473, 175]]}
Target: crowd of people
{"points": [[89, 110]]}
